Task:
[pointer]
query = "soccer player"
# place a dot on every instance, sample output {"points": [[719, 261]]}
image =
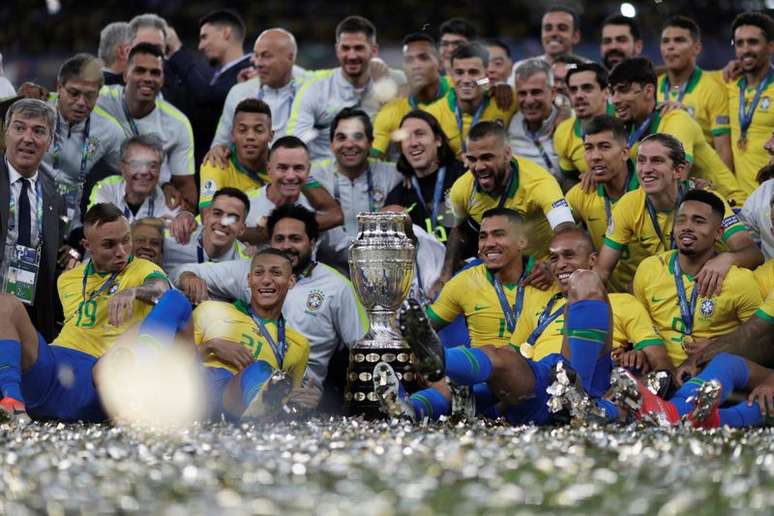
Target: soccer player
{"points": [[497, 178], [429, 165], [358, 184], [248, 154], [350, 85], [322, 304], [666, 283], [500, 61], [749, 98], [530, 132], [643, 219], [136, 192], [587, 84], [605, 151], [83, 134], [422, 66], [245, 345], [620, 40], [468, 103], [454, 33], [139, 110], [101, 299], [559, 32], [685, 83], [633, 84]]}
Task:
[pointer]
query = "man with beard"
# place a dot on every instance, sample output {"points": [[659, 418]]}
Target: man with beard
{"points": [[322, 305], [685, 83], [422, 66], [620, 40], [349, 85], [749, 98]]}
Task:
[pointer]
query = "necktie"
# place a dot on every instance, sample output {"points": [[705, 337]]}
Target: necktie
{"points": [[25, 215]]}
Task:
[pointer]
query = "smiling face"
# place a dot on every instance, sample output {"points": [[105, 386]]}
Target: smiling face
{"points": [[618, 44], [141, 168], [465, 74], [697, 228], [109, 244], [655, 169], [587, 97], [605, 155], [421, 64], [144, 77], [269, 279], [534, 97], [488, 159], [752, 49], [500, 242], [148, 243], [420, 146], [568, 252], [289, 235], [354, 52], [350, 144], [251, 135], [224, 221], [558, 34], [678, 48], [26, 141], [632, 101], [288, 170]]}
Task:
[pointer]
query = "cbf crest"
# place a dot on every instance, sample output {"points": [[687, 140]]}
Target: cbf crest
{"points": [[314, 300], [707, 308], [765, 103], [91, 148], [113, 289]]}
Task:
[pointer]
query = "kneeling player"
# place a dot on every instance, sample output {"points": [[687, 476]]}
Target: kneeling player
{"points": [[248, 350]]}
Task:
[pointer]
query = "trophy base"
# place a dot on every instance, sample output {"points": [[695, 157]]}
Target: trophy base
{"points": [[360, 396]]}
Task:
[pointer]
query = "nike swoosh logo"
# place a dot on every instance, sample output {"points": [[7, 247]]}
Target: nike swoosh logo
{"points": [[592, 219], [478, 307], [654, 299]]}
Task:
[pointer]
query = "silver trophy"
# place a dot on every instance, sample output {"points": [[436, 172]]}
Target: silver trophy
{"points": [[381, 266]]}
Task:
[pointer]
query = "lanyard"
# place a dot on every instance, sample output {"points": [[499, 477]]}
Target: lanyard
{"points": [[608, 204], [38, 211], [151, 208], [508, 185], [437, 193], [255, 176], [745, 115], [129, 119], [537, 143], [686, 309], [291, 97], [307, 272], [654, 218], [545, 319], [200, 251], [84, 148], [370, 182], [681, 91], [636, 135], [476, 118], [414, 101], [511, 314], [94, 294], [279, 348]]}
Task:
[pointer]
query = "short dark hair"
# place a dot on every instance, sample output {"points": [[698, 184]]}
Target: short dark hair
{"points": [[633, 69], [228, 18], [708, 198], [765, 173], [580, 232], [288, 142], [471, 50], [230, 191], [415, 37], [271, 251], [252, 105], [445, 152], [756, 19], [683, 22], [487, 128], [673, 145], [620, 19], [570, 59], [495, 42], [512, 215], [352, 24], [603, 123], [83, 66], [562, 8], [460, 27], [145, 48], [353, 112], [297, 212], [102, 213], [600, 73]]}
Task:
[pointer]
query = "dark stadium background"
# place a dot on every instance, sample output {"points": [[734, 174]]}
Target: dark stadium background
{"points": [[33, 40]]}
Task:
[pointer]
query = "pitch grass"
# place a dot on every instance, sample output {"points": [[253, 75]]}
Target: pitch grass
{"points": [[348, 466]]}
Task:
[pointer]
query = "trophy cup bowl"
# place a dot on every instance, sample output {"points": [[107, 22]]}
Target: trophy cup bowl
{"points": [[381, 265]]}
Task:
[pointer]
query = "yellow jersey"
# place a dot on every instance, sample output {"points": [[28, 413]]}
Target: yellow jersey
{"points": [[568, 144], [706, 162], [445, 109], [631, 324], [592, 208], [764, 276], [471, 293], [86, 327], [212, 178], [654, 286], [751, 157], [705, 99], [533, 193], [387, 120], [233, 322], [632, 232]]}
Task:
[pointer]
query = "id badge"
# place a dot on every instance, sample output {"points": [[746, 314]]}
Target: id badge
{"points": [[21, 275]]}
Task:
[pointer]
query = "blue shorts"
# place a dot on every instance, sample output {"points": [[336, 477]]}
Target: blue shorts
{"points": [[535, 409], [60, 386], [217, 380]]}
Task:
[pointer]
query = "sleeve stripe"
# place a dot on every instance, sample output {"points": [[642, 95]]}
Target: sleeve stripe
{"points": [[155, 275], [736, 228], [648, 342], [435, 317], [721, 131], [763, 315], [612, 244]]}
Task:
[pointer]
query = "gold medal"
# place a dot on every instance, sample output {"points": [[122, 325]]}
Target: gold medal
{"points": [[742, 142], [527, 350]]}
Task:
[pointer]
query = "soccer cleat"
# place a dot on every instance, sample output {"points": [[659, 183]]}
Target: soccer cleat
{"points": [[422, 339], [393, 399], [569, 400], [659, 383], [706, 401], [13, 410], [463, 402], [269, 400], [634, 397]]}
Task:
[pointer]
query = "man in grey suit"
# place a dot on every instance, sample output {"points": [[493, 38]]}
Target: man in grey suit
{"points": [[32, 214]]}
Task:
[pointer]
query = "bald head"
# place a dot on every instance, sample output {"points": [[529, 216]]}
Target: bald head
{"points": [[274, 55]]}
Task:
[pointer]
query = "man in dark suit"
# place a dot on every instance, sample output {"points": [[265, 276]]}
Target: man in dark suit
{"points": [[32, 214], [221, 41]]}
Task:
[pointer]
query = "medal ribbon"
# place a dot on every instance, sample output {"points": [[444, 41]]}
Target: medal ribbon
{"points": [[437, 193], [686, 309]]}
